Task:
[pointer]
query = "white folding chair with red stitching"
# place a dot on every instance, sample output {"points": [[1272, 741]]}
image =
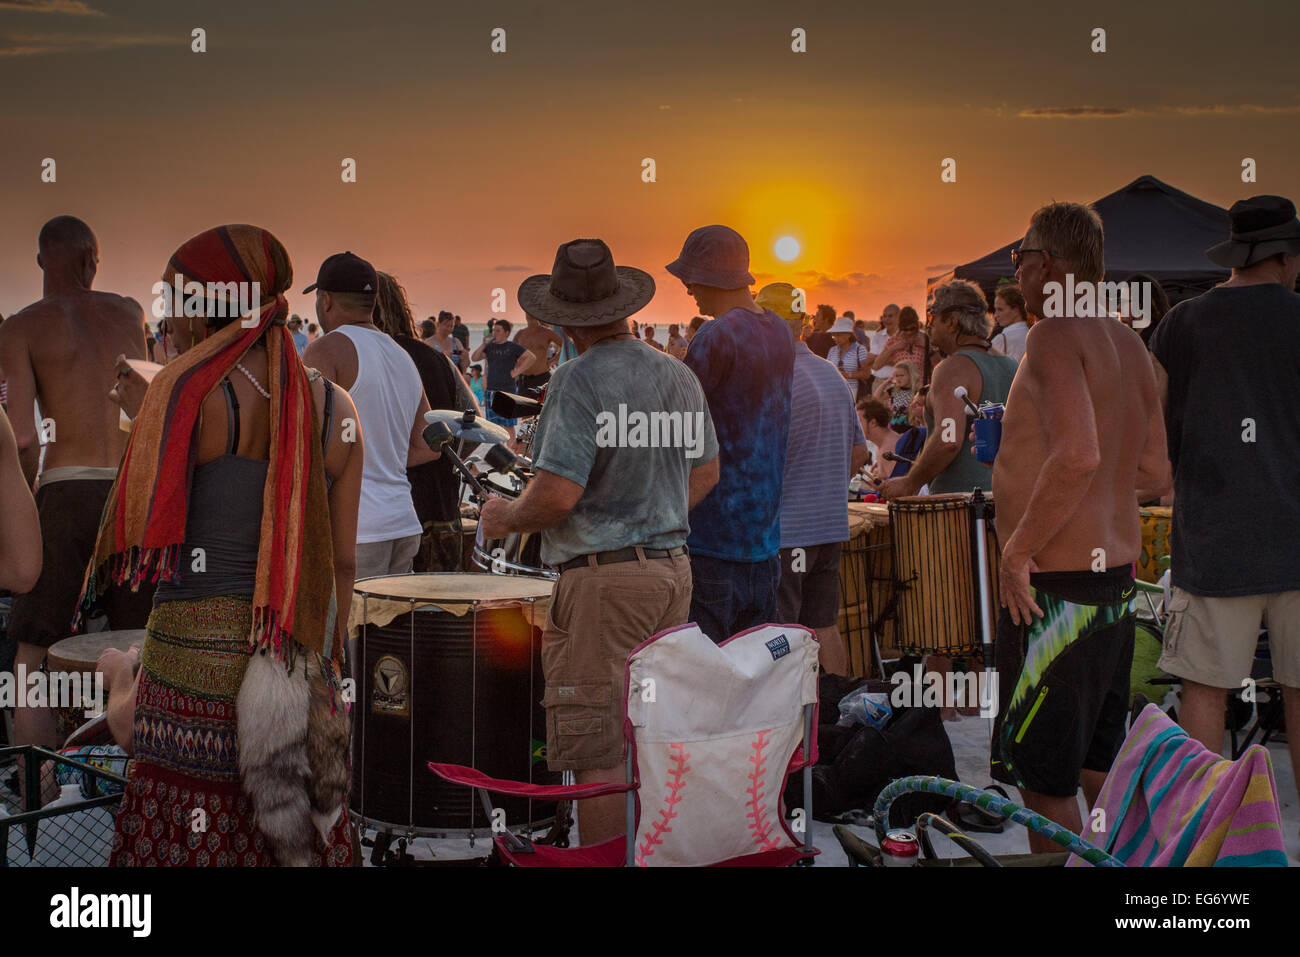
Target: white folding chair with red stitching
{"points": [[713, 732]]}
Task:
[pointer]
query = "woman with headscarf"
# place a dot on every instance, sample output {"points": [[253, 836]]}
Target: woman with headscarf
{"points": [[238, 493]]}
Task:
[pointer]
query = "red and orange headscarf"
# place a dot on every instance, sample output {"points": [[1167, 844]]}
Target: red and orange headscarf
{"points": [[143, 528]]}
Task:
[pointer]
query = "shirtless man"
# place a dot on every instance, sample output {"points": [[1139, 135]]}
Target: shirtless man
{"points": [[1083, 441], [534, 369], [61, 351]]}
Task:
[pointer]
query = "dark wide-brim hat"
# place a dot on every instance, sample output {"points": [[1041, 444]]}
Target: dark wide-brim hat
{"points": [[1262, 226], [585, 288]]}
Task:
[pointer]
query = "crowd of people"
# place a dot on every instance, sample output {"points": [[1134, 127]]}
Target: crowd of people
{"points": [[294, 467]]}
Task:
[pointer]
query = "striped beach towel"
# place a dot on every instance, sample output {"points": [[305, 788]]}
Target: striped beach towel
{"points": [[1169, 802]]}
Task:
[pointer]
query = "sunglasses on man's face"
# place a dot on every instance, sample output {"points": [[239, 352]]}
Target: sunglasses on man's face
{"points": [[1018, 255]]}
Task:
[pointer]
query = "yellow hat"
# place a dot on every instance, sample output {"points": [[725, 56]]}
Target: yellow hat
{"points": [[779, 297]]}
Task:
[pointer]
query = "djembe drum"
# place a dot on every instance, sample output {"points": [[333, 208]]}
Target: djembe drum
{"points": [[866, 584], [933, 539], [70, 664]]}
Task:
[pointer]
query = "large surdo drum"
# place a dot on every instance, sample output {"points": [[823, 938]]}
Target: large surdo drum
{"points": [[448, 669]]}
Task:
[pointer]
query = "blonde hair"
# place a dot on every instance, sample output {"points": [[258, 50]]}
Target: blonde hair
{"points": [[913, 374], [1073, 231]]}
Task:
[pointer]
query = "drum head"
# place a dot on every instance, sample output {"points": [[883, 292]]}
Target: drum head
{"points": [[508, 485], [80, 652], [455, 587]]}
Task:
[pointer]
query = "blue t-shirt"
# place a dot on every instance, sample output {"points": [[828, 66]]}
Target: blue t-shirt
{"points": [[299, 341], [745, 361], [824, 428]]}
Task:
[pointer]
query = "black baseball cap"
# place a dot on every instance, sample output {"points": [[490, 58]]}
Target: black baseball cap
{"points": [[344, 272]]}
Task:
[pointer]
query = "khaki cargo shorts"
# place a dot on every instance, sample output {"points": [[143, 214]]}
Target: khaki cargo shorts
{"points": [[598, 614], [1212, 640]]}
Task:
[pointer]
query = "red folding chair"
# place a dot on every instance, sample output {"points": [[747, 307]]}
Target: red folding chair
{"points": [[712, 732]]}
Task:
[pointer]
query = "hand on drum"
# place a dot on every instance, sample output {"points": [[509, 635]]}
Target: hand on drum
{"points": [[116, 665], [896, 488], [493, 518], [1014, 590]]}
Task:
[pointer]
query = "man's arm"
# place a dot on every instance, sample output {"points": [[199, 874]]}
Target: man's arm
{"points": [[418, 452], [857, 459], [478, 353], [16, 359], [547, 500], [701, 482], [939, 451], [525, 360], [20, 527], [1154, 475]]}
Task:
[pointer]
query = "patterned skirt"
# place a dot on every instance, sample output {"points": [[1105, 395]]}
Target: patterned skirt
{"points": [[183, 804]]}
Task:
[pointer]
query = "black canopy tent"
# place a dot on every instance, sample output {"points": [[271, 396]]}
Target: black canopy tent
{"points": [[1150, 227]]}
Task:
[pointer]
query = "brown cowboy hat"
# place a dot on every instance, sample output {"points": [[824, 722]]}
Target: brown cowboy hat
{"points": [[585, 288], [1262, 226]]}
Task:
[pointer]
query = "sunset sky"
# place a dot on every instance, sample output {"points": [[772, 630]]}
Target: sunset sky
{"points": [[473, 166]]}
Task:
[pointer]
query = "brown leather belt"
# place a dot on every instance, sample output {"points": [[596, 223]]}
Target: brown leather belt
{"points": [[621, 555]]}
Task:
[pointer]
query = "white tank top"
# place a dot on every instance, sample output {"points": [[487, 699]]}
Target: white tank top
{"points": [[387, 396]]}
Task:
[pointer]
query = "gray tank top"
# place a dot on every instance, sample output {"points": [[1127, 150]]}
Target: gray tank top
{"points": [[224, 523], [965, 472]]}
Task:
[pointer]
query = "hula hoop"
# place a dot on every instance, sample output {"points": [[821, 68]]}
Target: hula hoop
{"points": [[987, 800]]}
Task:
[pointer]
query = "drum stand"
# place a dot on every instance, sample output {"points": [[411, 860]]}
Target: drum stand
{"points": [[980, 509]]}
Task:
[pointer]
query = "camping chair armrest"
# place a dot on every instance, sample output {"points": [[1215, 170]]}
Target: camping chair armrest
{"points": [[798, 762], [459, 774], [1151, 588]]}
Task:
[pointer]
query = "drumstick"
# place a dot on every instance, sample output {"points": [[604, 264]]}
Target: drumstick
{"points": [[895, 457], [960, 392]]}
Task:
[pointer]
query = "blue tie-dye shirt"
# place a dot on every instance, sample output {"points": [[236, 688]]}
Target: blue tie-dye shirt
{"points": [[745, 362]]}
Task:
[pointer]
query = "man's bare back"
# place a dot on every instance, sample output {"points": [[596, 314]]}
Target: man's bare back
{"points": [[1084, 400], [61, 351], [536, 339]]}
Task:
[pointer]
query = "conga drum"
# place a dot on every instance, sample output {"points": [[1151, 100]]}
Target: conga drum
{"points": [[71, 667], [1157, 521], [866, 584], [933, 539], [448, 669]]}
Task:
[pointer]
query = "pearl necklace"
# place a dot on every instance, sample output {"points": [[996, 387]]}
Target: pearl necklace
{"points": [[256, 385]]}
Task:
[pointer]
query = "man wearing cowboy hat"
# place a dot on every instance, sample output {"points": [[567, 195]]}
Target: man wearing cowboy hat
{"points": [[1234, 442], [624, 448], [744, 359]]}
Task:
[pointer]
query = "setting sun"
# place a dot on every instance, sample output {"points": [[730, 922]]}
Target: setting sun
{"points": [[786, 249]]}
